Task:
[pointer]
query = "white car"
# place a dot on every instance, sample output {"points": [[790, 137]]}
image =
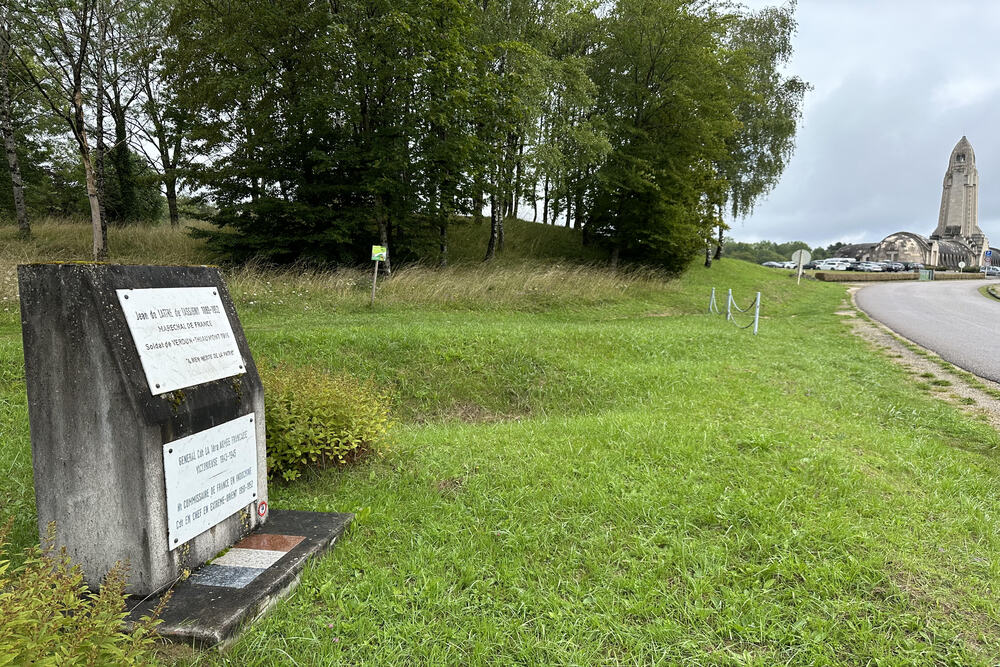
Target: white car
{"points": [[832, 266]]}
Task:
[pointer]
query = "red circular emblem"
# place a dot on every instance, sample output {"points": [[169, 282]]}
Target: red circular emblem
{"points": [[262, 508]]}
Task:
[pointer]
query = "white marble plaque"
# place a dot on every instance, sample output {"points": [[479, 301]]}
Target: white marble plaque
{"points": [[209, 476], [183, 336]]}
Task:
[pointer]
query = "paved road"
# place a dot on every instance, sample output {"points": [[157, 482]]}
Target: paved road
{"points": [[949, 317]]}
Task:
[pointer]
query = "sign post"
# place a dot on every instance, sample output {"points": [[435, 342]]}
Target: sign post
{"points": [[379, 253], [800, 257], [987, 260]]}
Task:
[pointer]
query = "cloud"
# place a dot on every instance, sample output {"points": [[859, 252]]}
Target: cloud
{"points": [[963, 92], [896, 85]]}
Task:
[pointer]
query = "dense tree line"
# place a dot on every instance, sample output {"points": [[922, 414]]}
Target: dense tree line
{"points": [[315, 127], [769, 251]]}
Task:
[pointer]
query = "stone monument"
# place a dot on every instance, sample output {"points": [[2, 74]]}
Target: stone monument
{"points": [[958, 219], [957, 237], [147, 417]]}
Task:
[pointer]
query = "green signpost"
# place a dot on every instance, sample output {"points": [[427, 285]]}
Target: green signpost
{"points": [[379, 253]]}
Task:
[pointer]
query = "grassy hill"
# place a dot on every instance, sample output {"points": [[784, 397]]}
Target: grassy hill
{"points": [[587, 468]]}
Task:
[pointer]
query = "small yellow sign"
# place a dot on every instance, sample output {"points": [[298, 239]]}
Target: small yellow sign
{"points": [[379, 253]]}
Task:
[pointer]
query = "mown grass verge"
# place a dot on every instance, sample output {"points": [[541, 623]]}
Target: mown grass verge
{"points": [[618, 478]]}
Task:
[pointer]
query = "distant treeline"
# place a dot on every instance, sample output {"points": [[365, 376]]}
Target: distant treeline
{"points": [[315, 127], [769, 251]]}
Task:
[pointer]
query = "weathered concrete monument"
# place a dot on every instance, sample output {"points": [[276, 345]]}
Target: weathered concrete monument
{"points": [[147, 416], [148, 442], [957, 237]]}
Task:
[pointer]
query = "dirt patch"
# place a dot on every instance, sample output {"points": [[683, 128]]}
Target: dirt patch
{"points": [[933, 599], [174, 652], [449, 487], [929, 371], [470, 413]]}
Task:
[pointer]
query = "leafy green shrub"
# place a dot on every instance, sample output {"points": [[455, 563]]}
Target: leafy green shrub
{"points": [[317, 419], [49, 617]]}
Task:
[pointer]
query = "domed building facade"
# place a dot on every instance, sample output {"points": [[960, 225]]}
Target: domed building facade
{"points": [[957, 237]]}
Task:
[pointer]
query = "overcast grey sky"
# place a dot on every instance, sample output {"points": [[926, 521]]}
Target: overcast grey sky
{"points": [[896, 83]]}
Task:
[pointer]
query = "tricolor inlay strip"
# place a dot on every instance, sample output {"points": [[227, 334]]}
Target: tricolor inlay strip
{"points": [[259, 558], [270, 542], [245, 561], [225, 576]]}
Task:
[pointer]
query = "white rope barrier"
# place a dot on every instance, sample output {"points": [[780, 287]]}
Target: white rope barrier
{"points": [[713, 309], [713, 306]]}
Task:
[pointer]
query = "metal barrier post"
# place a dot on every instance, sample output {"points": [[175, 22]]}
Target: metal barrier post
{"points": [[729, 303], [756, 315], [711, 302]]}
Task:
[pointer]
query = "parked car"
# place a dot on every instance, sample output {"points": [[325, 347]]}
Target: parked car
{"points": [[827, 265], [892, 266], [866, 267], [771, 265], [990, 270]]}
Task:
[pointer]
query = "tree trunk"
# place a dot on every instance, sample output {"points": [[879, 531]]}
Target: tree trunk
{"points": [[518, 177], [708, 255], [500, 235], [555, 201], [577, 215], [495, 226], [382, 220], [100, 230], [615, 251], [99, 156], [383, 235], [569, 211], [545, 201], [102, 20], [478, 201], [718, 248], [9, 139], [443, 232], [170, 184], [121, 160]]}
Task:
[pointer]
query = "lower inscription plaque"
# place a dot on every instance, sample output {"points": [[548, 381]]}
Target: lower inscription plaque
{"points": [[209, 476]]}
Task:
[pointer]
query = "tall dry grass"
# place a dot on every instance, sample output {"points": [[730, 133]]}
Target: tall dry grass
{"points": [[526, 285], [57, 240], [518, 283]]}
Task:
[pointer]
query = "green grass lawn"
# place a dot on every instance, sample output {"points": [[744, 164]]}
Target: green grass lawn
{"points": [[611, 476]]}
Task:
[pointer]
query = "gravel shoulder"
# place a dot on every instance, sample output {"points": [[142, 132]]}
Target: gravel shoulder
{"points": [[974, 395]]}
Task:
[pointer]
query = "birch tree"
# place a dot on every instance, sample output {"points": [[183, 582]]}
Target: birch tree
{"points": [[7, 126], [58, 36]]}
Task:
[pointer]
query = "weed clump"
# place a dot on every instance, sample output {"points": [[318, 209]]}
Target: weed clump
{"points": [[48, 615], [318, 419]]}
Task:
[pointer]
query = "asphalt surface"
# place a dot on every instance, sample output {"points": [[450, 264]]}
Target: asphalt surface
{"points": [[950, 318]]}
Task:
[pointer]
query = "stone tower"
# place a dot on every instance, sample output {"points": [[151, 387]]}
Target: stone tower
{"points": [[958, 219]]}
